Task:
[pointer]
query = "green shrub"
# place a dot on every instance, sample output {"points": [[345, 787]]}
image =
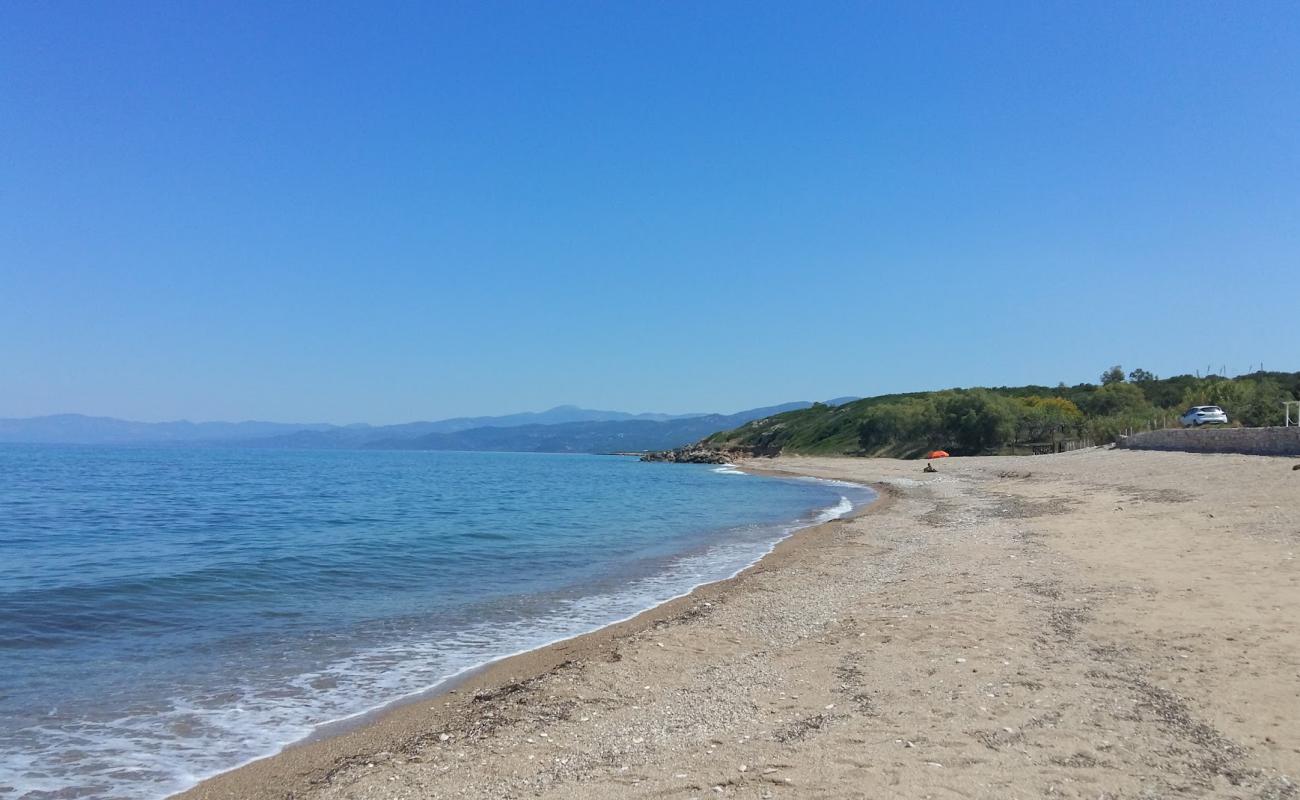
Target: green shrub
{"points": [[974, 421], [1114, 398], [908, 424], [987, 420], [1108, 428], [1047, 419], [1253, 403]]}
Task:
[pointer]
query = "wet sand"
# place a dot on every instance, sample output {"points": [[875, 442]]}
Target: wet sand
{"points": [[1097, 624]]}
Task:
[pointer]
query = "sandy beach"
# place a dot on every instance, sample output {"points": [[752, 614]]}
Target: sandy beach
{"points": [[1100, 624]]}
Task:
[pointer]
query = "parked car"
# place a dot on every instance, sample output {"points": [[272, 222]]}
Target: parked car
{"points": [[1196, 416]]}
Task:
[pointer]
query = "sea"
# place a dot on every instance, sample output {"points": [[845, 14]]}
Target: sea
{"points": [[168, 614]]}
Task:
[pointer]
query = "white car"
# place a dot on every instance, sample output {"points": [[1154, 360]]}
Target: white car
{"points": [[1197, 416]]}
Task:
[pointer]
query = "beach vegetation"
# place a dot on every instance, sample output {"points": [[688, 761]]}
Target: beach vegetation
{"points": [[1249, 402], [974, 421], [1115, 398], [1012, 418], [1113, 375], [1047, 419]]}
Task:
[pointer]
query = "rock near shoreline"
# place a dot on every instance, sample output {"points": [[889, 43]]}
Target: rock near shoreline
{"points": [[697, 454]]}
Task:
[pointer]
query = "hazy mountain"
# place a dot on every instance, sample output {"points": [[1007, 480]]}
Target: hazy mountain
{"points": [[550, 417], [607, 436], [81, 429], [365, 436]]}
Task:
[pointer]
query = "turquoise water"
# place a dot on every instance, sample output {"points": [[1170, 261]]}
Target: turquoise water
{"points": [[168, 614]]}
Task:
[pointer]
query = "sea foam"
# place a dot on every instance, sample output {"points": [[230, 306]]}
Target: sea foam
{"points": [[375, 578]]}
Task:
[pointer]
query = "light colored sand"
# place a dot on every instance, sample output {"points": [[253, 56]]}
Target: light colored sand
{"points": [[1101, 624]]}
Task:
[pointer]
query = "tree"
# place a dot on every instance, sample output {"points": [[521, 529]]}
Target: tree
{"points": [[1115, 398], [1168, 393], [1141, 376], [1113, 375], [911, 423], [1045, 419], [1252, 403], [974, 421], [1263, 404]]}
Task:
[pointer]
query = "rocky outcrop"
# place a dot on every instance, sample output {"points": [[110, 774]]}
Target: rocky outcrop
{"points": [[700, 454]]}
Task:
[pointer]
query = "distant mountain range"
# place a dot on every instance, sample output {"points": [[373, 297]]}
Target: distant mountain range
{"points": [[80, 429], [599, 436], [563, 429]]}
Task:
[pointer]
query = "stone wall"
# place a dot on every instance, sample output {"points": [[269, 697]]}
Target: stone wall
{"points": [[1253, 441]]}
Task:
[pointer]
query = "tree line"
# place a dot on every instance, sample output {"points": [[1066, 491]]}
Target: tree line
{"points": [[972, 421]]}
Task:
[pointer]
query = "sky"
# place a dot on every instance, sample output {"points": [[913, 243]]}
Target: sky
{"points": [[382, 212]]}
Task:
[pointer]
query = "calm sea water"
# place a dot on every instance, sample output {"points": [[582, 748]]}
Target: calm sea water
{"points": [[168, 614]]}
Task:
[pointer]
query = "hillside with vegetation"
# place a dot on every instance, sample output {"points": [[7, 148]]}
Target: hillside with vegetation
{"points": [[1010, 419]]}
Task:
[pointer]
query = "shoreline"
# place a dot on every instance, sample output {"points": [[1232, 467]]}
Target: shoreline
{"points": [[396, 720], [1078, 625]]}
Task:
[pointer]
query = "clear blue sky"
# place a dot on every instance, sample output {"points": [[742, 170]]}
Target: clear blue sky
{"points": [[384, 212]]}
